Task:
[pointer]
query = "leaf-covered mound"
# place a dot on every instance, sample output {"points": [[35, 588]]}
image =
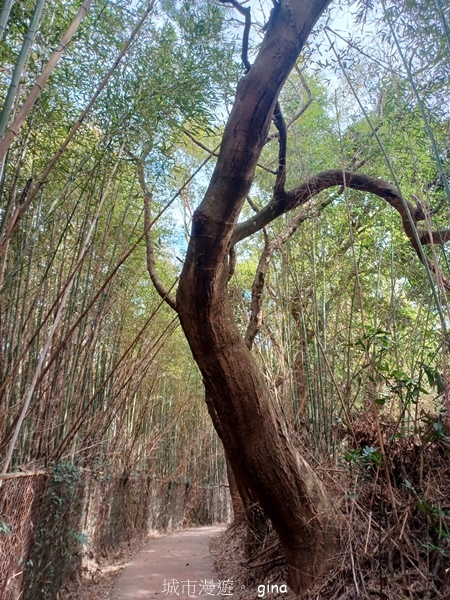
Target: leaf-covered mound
{"points": [[394, 525]]}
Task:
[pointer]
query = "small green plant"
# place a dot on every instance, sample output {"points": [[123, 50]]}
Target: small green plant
{"points": [[365, 459], [66, 473], [394, 383], [438, 517], [371, 456], [66, 476], [79, 536], [368, 456], [434, 378], [435, 428], [431, 547], [5, 528]]}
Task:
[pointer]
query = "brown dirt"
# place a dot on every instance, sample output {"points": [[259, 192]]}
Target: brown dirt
{"points": [[98, 576]]}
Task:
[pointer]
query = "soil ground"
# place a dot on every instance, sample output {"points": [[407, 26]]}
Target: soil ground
{"points": [[177, 565]]}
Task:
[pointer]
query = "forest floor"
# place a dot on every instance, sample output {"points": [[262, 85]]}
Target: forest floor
{"points": [[177, 565], [191, 563], [99, 576], [229, 559]]}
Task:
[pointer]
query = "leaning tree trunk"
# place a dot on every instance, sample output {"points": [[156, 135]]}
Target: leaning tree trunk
{"points": [[254, 434]]}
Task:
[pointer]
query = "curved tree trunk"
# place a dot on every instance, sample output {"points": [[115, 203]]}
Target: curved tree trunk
{"points": [[254, 434], [256, 440]]}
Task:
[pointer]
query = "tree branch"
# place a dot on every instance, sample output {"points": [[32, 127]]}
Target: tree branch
{"points": [[316, 184], [440, 236], [198, 142], [298, 196], [280, 182], [148, 199], [246, 13], [231, 263]]}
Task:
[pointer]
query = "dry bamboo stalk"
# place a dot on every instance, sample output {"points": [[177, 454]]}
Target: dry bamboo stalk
{"points": [[76, 425], [7, 476], [45, 348]]}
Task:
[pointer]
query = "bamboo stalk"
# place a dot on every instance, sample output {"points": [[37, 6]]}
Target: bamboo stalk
{"points": [[16, 125], [20, 210], [4, 16], [17, 74], [45, 348]]}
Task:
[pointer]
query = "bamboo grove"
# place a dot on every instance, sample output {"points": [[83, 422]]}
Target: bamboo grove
{"points": [[93, 369]]}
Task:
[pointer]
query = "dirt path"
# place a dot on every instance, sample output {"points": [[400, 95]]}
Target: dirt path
{"points": [[176, 565]]}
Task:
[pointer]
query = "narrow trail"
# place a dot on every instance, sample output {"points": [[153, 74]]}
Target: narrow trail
{"points": [[177, 565]]}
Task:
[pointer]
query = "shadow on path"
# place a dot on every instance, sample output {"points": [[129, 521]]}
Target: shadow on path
{"points": [[174, 566]]}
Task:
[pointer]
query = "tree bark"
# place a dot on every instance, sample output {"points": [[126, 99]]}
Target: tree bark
{"points": [[255, 436], [236, 499]]}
